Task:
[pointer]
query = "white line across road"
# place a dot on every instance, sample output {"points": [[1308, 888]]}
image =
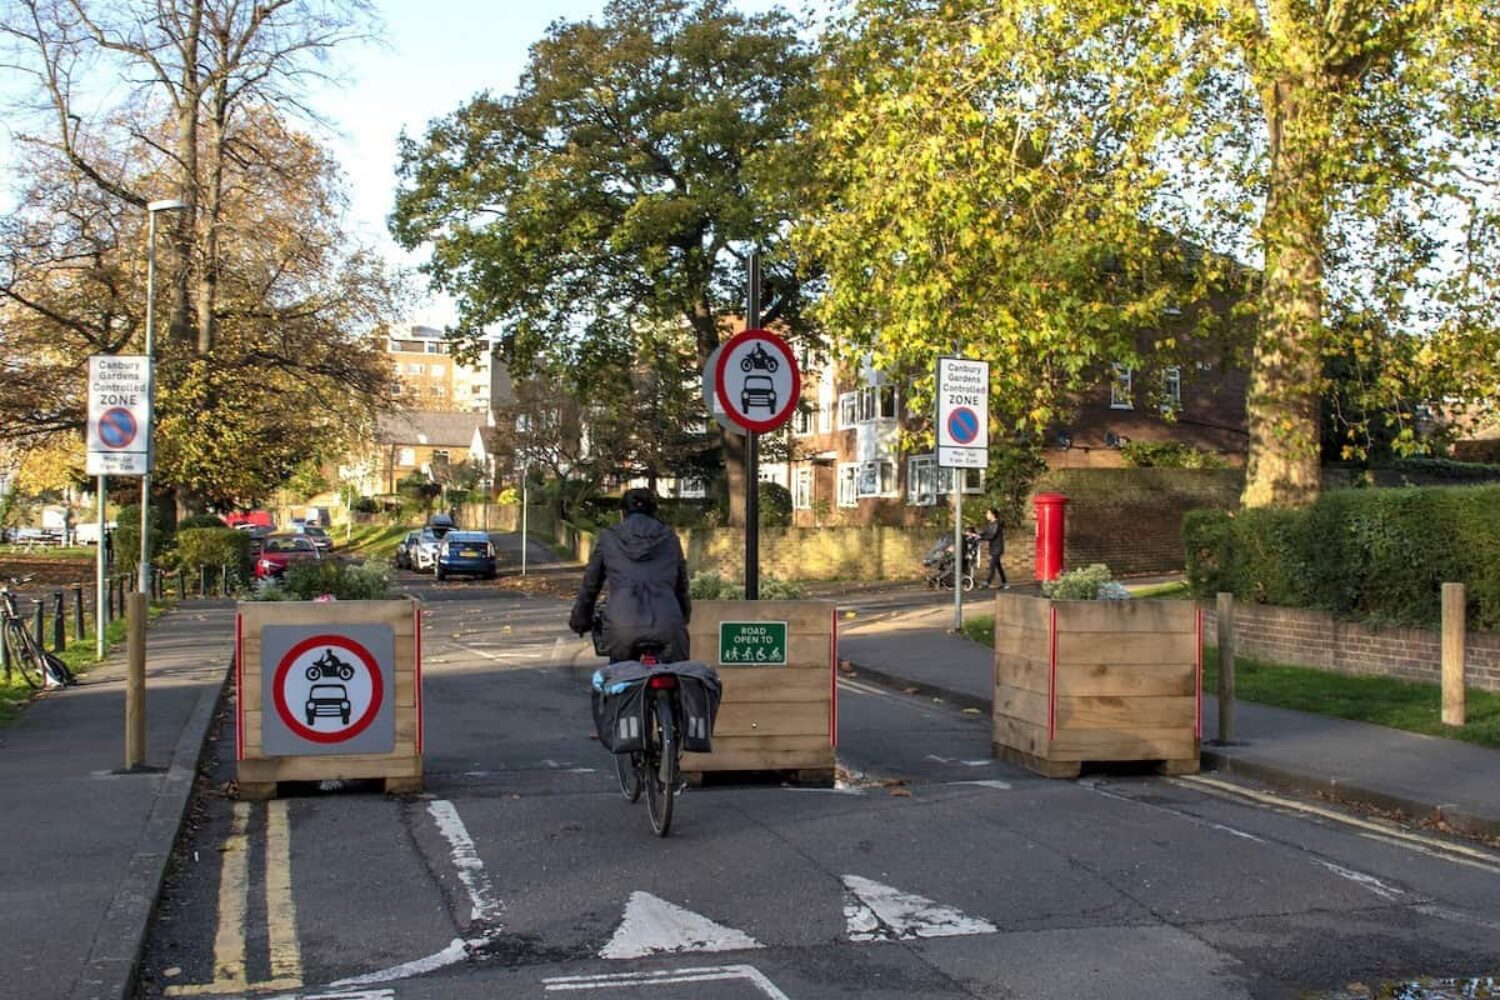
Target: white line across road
{"points": [[707, 974]]}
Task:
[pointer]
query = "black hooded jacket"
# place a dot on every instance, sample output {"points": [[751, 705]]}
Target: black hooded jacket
{"points": [[641, 560]]}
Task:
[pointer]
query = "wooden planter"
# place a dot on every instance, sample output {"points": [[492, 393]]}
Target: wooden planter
{"points": [[775, 716], [1080, 681], [300, 735]]}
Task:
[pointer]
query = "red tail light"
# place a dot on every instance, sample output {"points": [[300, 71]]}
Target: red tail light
{"points": [[663, 682]]}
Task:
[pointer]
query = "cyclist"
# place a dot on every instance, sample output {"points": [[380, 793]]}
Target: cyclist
{"points": [[641, 560]]}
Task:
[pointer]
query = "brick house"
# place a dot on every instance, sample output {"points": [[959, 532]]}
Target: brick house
{"points": [[418, 441], [847, 465]]}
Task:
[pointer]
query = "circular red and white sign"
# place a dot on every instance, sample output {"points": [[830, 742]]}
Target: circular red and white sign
{"points": [[757, 380], [327, 689]]}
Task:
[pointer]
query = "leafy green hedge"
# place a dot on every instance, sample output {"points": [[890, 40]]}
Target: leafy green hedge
{"points": [[1376, 555], [213, 547]]}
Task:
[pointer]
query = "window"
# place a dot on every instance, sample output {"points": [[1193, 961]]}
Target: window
{"points": [[848, 474], [802, 488], [804, 421], [1171, 389], [877, 402], [692, 489], [876, 479], [928, 485], [406, 456], [437, 370], [1121, 394], [439, 456], [848, 410], [415, 368]]}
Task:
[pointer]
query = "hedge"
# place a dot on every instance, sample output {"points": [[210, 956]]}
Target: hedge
{"points": [[213, 547], [1376, 555]]}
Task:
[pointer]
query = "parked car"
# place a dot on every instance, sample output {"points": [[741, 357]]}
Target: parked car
{"points": [[468, 553], [280, 551], [319, 537], [406, 551], [424, 556], [440, 524], [257, 533]]}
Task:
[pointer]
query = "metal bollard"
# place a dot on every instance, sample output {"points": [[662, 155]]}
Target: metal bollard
{"points": [[182, 585], [203, 579], [5, 658], [38, 625], [78, 611], [224, 580], [59, 633]]}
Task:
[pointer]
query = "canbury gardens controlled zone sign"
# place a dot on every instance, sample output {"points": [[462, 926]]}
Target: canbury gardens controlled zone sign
{"points": [[327, 689], [963, 413], [119, 432], [752, 644]]}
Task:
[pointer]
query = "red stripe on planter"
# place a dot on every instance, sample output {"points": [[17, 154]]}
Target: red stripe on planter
{"points": [[833, 679], [1198, 718], [416, 617], [1052, 674], [239, 687]]}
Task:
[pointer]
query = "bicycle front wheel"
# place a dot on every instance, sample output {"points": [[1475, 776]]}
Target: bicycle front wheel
{"points": [[661, 767], [627, 770], [24, 657]]}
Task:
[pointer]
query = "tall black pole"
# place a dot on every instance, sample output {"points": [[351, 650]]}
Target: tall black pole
{"points": [[752, 453]]}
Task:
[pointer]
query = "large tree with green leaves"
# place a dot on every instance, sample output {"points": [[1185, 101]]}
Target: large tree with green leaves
{"points": [[1043, 182], [619, 187]]}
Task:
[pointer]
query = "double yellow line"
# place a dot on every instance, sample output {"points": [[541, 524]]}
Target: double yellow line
{"points": [[230, 975]]}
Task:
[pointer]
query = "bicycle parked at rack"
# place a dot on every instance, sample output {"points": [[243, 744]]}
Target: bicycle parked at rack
{"points": [[23, 651]]}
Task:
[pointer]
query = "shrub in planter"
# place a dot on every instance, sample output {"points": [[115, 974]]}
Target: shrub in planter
{"points": [[307, 581], [1091, 583], [708, 585]]}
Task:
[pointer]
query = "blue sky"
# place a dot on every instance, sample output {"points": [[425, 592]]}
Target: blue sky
{"points": [[437, 54]]}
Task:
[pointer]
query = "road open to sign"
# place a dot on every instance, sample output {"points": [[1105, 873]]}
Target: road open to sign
{"points": [[752, 644], [326, 689]]}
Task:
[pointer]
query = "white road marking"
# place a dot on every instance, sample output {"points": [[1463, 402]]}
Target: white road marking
{"points": [[877, 912], [849, 685], [995, 783], [1461, 916], [456, 952], [1384, 832], [1237, 833], [953, 760], [486, 909], [1370, 882], [653, 926], [709, 974]]}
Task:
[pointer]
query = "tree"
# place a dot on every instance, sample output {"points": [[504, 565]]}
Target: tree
{"points": [[289, 374], [183, 85], [619, 187], [1059, 175]]}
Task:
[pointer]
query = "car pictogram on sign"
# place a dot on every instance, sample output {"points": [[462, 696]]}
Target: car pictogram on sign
{"points": [[329, 700], [758, 392]]}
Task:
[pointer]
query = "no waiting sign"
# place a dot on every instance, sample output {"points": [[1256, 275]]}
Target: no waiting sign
{"points": [[963, 413], [119, 432]]}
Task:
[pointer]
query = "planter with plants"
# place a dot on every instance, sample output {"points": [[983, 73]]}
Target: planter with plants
{"points": [[328, 678], [1084, 673]]}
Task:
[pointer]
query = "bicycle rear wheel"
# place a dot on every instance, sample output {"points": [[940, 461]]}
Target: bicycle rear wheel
{"points": [[627, 770], [661, 766], [25, 657]]}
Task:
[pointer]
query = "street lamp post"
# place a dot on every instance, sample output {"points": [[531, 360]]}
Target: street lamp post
{"points": [[143, 580]]}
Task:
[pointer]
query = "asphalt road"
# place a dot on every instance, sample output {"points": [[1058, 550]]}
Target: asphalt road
{"points": [[932, 871]]}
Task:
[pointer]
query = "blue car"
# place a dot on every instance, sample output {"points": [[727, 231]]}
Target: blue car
{"points": [[465, 552]]}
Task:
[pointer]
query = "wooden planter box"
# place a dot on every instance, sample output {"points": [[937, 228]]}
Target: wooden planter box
{"points": [[302, 735], [775, 716], [1080, 681]]}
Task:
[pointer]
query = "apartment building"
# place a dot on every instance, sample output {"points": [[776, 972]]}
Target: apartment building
{"points": [[431, 378]]}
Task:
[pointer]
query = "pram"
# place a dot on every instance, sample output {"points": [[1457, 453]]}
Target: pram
{"points": [[938, 562]]}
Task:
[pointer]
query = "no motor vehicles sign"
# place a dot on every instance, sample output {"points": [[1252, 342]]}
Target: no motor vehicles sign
{"points": [[327, 689], [119, 431]]}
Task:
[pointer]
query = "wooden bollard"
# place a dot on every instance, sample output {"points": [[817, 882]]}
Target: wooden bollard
{"points": [[1224, 614], [135, 681], [1455, 628]]}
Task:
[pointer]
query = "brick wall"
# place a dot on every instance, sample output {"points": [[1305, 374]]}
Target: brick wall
{"points": [[1131, 519], [1315, 639], [869, 553]]}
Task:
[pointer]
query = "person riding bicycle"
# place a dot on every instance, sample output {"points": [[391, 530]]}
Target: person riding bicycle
{"points": [[641, 560]]}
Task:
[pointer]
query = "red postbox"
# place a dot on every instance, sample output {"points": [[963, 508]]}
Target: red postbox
{"points": [[1049, 535]]}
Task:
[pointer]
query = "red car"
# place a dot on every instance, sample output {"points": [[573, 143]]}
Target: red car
{"points": [[277, 552]]}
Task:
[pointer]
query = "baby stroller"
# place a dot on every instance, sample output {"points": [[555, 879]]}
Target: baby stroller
{"points": [[938, 562]]}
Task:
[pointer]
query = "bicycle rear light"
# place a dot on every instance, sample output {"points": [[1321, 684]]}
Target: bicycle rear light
{"points": [[663, 682]]}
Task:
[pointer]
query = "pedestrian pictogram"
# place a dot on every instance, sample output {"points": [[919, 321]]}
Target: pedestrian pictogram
{"points": [[756, 382], [117, 428], [327, 689]]}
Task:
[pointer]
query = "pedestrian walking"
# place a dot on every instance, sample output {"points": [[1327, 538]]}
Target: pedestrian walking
{"points": [[109, 547], [993, 533]]}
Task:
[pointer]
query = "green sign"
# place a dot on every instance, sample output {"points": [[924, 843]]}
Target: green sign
{"points": [[752, 644]]}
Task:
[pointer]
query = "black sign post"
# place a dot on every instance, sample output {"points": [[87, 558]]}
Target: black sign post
{"points": [[752, 452]]}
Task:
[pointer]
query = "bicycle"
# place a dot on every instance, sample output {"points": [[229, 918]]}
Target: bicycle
{"points": [[656, 768], [37, 667]]}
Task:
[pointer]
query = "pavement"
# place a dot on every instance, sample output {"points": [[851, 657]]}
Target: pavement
{"points": [[87, 847]]}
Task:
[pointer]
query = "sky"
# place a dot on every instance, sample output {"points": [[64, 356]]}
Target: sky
{"points": [[437, 54]]}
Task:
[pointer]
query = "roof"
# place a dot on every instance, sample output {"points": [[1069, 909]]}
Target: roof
{"points": [[437, 428]]}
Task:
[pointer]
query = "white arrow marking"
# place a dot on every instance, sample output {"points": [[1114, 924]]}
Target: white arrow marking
{"points": [[876, 912], [717, 973], [652, 926], [486, 909]]}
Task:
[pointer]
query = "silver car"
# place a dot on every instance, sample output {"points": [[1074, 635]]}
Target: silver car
{"points": [[424, 555]]}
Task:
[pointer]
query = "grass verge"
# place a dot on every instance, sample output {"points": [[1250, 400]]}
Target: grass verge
{"points": [[79, 656], [1385, 701], [379, 540]]}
